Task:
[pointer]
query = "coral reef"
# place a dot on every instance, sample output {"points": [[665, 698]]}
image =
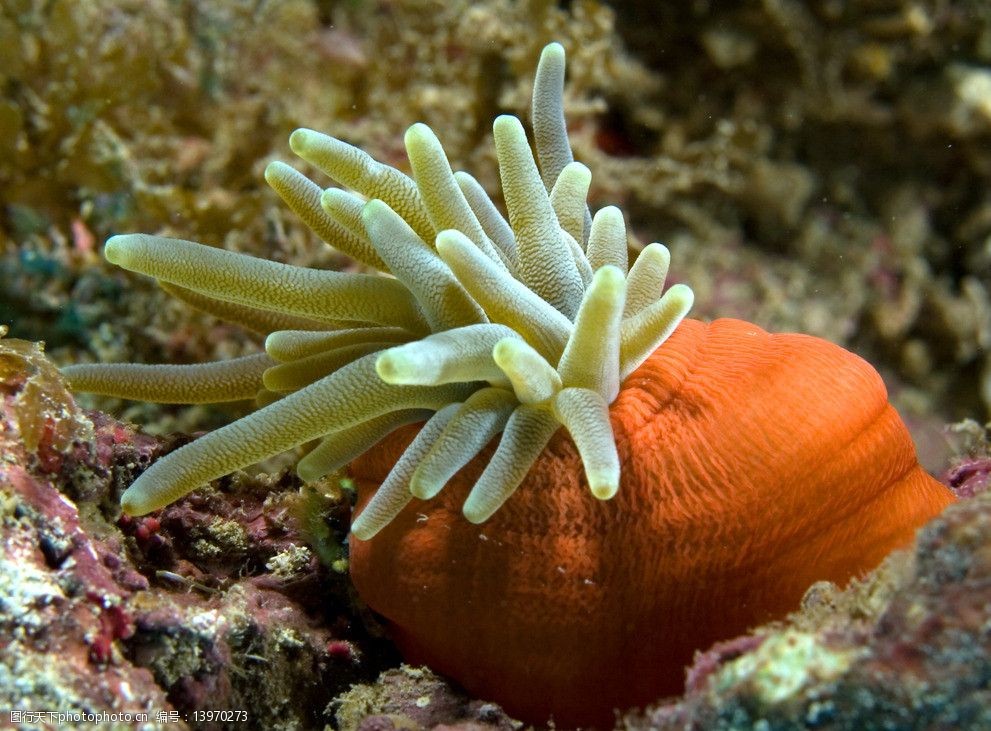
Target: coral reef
{"points": [[94, 602], [127, 113], [847, 147], [180, 146], [505, 329], [62, 590], [216, 603], [415, 698]]}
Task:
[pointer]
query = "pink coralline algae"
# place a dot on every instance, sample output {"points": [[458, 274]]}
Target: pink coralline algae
{"points": [[115, 624], [62, 590], [215, 603], [970, 477]]}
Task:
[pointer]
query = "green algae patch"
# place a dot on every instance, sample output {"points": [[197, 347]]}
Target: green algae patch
{"points": [[786, 664]]}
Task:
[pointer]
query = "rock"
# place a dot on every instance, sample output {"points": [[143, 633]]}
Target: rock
{"points": [[216, 603]]}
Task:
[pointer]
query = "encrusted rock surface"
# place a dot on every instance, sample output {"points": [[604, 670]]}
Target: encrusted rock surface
{"points": [[63, 588], [408, 697], [820, 167], [217, 603]]}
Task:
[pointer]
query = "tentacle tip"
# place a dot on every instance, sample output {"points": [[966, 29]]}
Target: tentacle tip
{"points": [[424, 489], [329, 196], [506, 124], [132, 504], [275, 170], [362, 531], [388, 368], [604, 488], [68, 371], [301, 139], [503, 350], [418, 132], [579, 171], [553, 51], [683, 294], [373, 210], [475, 513], [117, 249], [269, 382], [449, 242], [609, 276], [306, 473]]}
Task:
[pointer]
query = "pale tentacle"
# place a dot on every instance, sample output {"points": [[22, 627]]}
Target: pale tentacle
{"points": [[443, 300], [303, 197], [585, 414], [645, 282], [393, 494], [495, 225], [356, 169], [591, 358], [524, 438], [287, 345], [550, 129], [642, 334], [454, 356], [568, 199], [250, 318], [341, 447], [483, 415], [544, 260], [534, 380], [607, 240], [347, 397], [345, 208], [444, 201], [295, 374], [200, 383], [505, 300], [267, 284]]}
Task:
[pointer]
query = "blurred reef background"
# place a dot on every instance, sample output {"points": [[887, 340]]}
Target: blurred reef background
{"points": [[821, 167]]}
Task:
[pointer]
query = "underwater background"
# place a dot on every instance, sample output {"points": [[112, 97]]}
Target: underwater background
{"points": [[818, 167]]}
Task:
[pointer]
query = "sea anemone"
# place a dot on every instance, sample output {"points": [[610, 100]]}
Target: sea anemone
{"points": [[733, 467]]}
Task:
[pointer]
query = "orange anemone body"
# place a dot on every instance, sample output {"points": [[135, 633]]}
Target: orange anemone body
{"points": [[752, 466]]}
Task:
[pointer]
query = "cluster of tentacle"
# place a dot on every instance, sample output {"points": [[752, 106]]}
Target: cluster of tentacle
{"points": [[485, 326]]}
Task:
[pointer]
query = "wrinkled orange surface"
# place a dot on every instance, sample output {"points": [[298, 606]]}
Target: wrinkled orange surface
{"points": [[753, 465]]}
